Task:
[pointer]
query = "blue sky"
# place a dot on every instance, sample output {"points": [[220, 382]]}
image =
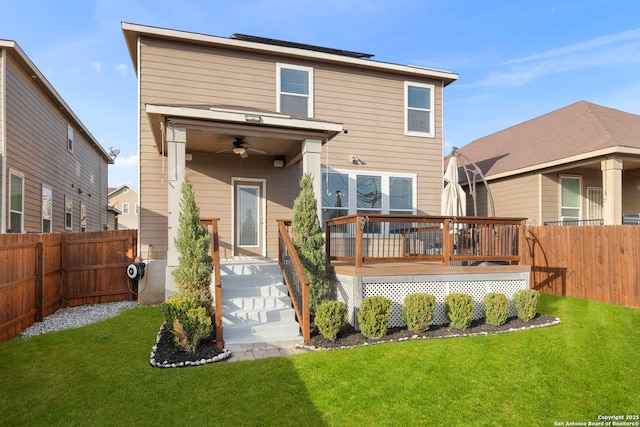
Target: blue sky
{"points": [[516, 60]]}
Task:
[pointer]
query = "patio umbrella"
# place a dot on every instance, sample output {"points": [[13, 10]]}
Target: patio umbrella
{"points": [[454, 199]]}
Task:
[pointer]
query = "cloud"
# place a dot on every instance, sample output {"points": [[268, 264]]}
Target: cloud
{"points": [[129, 163], [97, 65], [124, 171], [122, 69], [616, 50]]}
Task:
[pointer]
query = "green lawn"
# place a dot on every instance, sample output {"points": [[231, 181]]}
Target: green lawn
{"points": [[589, 365]]}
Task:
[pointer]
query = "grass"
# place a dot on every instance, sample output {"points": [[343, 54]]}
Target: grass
{"points": [[99, 375]]}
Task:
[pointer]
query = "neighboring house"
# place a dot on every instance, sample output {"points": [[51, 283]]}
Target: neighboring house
{"points": [[53, 171], [125, 200], [244, 117], [578, 164]]}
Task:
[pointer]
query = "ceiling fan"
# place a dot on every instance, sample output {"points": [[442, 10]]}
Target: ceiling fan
{"points": [[240, 148]]}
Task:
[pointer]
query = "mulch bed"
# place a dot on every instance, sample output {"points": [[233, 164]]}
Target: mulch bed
{"points": [[167, 355], [349, 337]]}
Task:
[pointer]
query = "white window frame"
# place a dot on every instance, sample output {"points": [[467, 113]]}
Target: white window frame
{"points": [[44, 209], [12, 211], [310, 98], [580, 197], [431, 111], [68, 201], [125, 209], [70, 138], [386, 176], [83, 217]]}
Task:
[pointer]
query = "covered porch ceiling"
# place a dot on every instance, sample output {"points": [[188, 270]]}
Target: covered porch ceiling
{"points": [[217, 130]]}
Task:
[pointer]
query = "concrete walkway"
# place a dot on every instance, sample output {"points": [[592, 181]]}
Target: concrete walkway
{"points": [[263, 354]]}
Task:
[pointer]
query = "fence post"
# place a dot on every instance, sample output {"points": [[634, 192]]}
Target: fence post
{"points": [[39, 279], [63, 273]]}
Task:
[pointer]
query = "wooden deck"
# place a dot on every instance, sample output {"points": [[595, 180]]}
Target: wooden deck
{"points": [[418, 268]]}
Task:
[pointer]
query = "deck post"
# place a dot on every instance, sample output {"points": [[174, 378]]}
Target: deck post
{"points": [[446, 242], [360, 223]]}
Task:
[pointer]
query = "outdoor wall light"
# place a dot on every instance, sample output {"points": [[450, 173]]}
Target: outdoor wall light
{"points": [[354, 159]]}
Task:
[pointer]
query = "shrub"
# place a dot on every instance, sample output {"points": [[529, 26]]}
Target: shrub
{"points": [[459, 309], [193, 274], [418, 311], [496, 308], [309, 241], [526, 302], [187, 320], [330, 317], [373, 317]]}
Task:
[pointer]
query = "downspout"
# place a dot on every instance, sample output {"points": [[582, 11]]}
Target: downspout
{"points": [[138, 138], [3, 142]]}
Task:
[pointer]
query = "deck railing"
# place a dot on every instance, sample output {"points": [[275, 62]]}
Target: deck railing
{"points": [[360, 238], [217, 285], [295, 277]]}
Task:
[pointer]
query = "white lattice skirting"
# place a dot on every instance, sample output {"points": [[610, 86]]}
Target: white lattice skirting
{"points": [[352, 290]]}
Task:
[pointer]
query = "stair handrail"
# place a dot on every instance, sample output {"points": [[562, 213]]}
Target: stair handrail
{"points": [[287, 252], [217, 279]]}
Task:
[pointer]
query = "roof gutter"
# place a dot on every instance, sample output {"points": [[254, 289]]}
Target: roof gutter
{"points": [[3, 142]]}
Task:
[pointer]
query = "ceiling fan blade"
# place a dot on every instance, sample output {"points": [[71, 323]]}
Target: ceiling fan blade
{"points": [[256, 150], [244, 154], [223, 151]]}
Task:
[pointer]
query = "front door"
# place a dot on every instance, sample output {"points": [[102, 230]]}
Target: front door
{"points": [[248, 218]]}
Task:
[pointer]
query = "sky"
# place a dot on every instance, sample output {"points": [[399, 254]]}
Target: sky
{"points": [[516, 60]]}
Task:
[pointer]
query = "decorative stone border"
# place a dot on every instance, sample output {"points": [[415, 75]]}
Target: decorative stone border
{"points": [[418, 337], [156, 364]]}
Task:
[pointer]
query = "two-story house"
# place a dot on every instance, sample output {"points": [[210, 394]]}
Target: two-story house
{"points": [[53, 171], [125, 200], [244, 117]]}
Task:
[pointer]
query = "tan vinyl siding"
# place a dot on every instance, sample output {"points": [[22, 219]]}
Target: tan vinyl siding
{"points": [[369, 103], [631, 192], [550, 202], [517, 197], [37, 148]]}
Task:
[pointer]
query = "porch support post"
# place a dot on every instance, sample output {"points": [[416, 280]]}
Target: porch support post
{"points": [[612, 186], [311, 163], [176, 143]]}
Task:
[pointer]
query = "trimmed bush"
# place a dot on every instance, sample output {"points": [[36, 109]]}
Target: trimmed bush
{"points": [[187, 320], [330, 317], [418, 311], [459, 309], [496, 308], [526, 302], [373, 317]]}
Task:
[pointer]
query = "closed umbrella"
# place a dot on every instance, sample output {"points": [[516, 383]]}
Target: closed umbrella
{"points": [[454, 199]]}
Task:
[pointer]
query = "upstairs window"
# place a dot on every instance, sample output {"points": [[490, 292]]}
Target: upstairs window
{"points": [[295, 90], [70, 139], [419, 120], [16, 202], [125, 208]]}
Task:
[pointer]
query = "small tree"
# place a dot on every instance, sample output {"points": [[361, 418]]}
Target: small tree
{"points": [[308, 239], [193, 274]]}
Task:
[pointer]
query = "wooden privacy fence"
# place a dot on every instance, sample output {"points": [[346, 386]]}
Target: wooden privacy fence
{"points": [[39, 273], [600, 263]]}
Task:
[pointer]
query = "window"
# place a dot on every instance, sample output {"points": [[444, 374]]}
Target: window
{"points": [[70, 139], [571, 195], [16, 202], [125, 209], [137, 208], [419, 120], [345, 193], [47, 203], [83, 217], [295, 90], [68, 213]]}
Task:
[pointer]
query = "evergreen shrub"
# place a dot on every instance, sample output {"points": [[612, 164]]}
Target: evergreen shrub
{"points": [[526, 302], [418, 310], [373, 317], [459, 309], [496, 308], [330, 317], [187, 320]]}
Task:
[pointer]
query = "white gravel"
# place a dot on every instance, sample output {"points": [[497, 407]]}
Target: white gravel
{"points": [[75, 317]]}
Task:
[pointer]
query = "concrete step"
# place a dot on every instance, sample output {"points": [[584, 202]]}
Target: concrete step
{"points": [[257, 311]]}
